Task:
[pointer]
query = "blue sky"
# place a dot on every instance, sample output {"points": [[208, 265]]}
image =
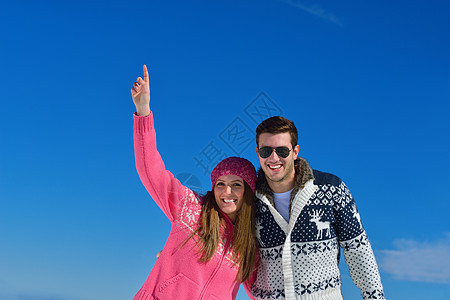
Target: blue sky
{"points": [[366, 82]]}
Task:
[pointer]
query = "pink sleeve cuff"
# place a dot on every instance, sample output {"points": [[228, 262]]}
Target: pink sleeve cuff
{"points": [[143, 124]]}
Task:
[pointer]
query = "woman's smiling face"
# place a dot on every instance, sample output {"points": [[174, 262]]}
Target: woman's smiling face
{"points": [[229, 194]]}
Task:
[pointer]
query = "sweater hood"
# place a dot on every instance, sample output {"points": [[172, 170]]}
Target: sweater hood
{"points": [[303, 173]]}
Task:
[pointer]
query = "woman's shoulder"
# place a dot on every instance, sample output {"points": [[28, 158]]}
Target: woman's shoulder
{"points": [[190, 207]]}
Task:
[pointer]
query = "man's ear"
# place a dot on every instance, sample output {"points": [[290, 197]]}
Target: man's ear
{"points": [[296, 150], [257, 154]]}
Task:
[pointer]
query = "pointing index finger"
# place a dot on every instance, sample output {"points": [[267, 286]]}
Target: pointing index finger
{"points": [[145, 74]]}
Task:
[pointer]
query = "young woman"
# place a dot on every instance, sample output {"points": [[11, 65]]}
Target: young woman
{"points": [[211, 248]]}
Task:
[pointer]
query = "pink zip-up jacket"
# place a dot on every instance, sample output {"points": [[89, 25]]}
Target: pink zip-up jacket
{"points": [[177, 273]]}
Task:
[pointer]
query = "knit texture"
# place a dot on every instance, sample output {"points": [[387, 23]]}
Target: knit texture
{"points": [[177, 273], [299, 259], [235, 166]]}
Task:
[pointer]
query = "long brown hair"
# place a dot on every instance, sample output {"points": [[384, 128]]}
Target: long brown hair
{"points": [[244, 240]]}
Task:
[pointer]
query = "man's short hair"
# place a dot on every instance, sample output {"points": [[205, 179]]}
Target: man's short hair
{"points": [[276, 125]]}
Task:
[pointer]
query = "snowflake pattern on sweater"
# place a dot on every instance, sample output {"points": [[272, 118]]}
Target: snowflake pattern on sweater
{"points": [[189, 215], [324, 217]]}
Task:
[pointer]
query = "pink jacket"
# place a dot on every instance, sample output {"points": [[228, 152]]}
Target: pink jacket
{"points": [[177, 274]]}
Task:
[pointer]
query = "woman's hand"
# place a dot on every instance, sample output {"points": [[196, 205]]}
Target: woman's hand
{"points": [[141, 94]]}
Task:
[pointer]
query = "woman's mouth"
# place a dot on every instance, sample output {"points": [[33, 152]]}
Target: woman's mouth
{"points": [[229, 200]]}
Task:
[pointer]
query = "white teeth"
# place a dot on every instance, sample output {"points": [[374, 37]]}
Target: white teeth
{"points": [[275, 167], [228, 201]]}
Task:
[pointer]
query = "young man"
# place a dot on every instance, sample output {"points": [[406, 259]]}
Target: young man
{"points": [[303, 216]]}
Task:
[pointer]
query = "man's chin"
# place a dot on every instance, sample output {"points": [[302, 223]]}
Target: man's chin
{"points": [[275, 177]]}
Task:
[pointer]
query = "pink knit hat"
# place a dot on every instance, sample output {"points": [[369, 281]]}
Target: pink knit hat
{"points": [[235, 166]]}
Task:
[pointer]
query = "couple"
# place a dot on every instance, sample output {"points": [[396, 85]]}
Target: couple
{"points": [[278, 232]]}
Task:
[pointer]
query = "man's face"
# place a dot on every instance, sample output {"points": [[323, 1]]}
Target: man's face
{"points": [[278, 170]]}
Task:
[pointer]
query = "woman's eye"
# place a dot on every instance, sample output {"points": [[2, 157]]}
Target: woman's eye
{"points": [[237, 185], [219, 184]]}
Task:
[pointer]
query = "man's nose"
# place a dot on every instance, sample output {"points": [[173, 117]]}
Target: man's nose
{"points": [[274, 155]]}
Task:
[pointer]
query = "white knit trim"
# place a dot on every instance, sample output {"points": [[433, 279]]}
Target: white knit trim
{"points": [[276, 215], [333, 294], [288, 273], [298, 203], [300, 200]]}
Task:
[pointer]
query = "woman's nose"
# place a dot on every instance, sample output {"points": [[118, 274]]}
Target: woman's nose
{"points": [[228, 189]]}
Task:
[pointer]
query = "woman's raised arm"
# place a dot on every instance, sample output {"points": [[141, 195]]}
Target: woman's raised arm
{"points": [[164, 188]]}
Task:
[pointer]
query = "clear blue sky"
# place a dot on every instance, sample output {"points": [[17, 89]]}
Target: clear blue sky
{"points": [[366, 82]]}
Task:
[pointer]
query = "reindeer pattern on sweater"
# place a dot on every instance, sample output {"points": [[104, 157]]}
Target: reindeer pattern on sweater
{"points": [[299, 259]]}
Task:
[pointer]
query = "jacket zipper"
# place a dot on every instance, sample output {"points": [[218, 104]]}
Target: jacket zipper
{"points": [[202, 294]]}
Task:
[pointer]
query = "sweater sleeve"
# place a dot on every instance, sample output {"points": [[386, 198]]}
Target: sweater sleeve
{"points": [[357, 249], [163, 187]]}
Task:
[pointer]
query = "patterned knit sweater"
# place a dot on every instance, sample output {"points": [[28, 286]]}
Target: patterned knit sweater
{"points": [[177, 273], [299, 259]]}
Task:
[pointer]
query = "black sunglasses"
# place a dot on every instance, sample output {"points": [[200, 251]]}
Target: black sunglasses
{"points": [[265, 152]]}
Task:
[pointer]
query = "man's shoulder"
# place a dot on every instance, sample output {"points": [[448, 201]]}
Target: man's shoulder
{"points": [[324, 178]]}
